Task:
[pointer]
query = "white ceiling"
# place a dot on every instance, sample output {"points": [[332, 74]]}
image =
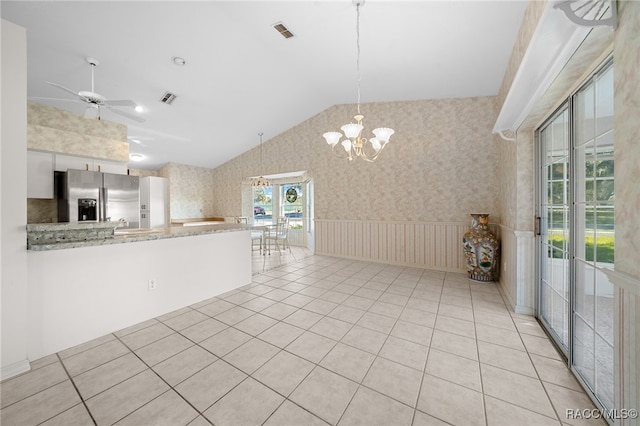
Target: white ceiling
{"points": [[241, 77]]}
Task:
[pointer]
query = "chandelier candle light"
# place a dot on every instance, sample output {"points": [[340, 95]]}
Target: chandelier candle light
{"points": [[355, 145], [260, 181]]}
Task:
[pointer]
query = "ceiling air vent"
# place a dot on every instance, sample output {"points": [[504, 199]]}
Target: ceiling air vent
{"points": [[284, 31], [168, 98]]}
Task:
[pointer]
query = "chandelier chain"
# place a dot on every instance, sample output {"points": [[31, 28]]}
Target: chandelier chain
{"points": [[359, 77]]}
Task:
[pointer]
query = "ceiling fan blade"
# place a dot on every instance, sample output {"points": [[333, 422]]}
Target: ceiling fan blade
{"points": [[121, 102], [63, 88], [126, 114], [52, 99]]}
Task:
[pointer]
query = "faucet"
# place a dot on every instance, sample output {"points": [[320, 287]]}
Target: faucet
{"points": [[121, 222]]}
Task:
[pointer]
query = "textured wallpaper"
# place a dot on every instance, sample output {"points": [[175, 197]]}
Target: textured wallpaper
{"points": [[190, 190], [441, 164], [142, 172], [528, 26], [507, 171], [627, 138], [52, 129]]}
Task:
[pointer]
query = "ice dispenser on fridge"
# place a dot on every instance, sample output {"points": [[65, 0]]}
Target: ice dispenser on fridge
{"points": [[87, 209]]}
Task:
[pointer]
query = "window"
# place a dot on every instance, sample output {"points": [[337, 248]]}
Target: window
{"points": [[262, 205], [292, 201]]}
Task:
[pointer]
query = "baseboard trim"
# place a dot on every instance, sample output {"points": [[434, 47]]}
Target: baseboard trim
{"points": [[524, 310], [389, 262], [14, 369]]}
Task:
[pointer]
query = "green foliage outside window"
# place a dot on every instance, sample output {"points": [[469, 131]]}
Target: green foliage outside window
{"points": [[605, 248]]}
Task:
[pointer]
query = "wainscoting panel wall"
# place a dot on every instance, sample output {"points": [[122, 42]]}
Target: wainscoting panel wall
{"points": [[517, 269], [433, 245]]}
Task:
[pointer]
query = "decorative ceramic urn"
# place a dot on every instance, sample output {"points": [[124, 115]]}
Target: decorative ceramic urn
{"points": [[481, 249]]}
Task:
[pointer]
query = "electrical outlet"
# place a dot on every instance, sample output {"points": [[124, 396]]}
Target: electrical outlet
{"points": [[153, 284]]}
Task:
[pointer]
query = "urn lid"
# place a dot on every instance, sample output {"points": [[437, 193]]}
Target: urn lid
{"points": [[481, 218]]}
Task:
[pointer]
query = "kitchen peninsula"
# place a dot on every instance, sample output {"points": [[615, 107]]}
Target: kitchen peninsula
{"points": [[80, 290]]}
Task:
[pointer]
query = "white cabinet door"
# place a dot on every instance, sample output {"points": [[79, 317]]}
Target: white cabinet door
{"points": [[39, 174], [107, 166], [66, 162]]}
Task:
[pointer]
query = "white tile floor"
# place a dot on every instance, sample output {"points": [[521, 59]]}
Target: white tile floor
{"points": [[315, 342]]}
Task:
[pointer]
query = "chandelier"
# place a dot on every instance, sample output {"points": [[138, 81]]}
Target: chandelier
{"points": [[260, 181], [355, 145]]}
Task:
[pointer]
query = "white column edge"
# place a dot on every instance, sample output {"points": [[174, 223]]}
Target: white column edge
{"points": [[625, 281]]}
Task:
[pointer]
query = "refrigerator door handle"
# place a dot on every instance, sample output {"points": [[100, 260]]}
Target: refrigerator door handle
{"points": [[103, 205]]}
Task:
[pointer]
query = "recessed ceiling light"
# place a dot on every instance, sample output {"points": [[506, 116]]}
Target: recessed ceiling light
{"points": [[139, 108], [136, 157], [178, 61]]}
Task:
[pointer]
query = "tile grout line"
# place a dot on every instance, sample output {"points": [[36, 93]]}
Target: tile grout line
{"points": [[426, 361], [546, 392], [73, 383], [171, 388], [509, 311], [352, 326], [317, 365], [484, 395], [377, 354]]}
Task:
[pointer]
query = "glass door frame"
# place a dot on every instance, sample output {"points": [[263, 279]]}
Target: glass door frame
{"points": [[541, 223], [593, 79], [541, 192]]}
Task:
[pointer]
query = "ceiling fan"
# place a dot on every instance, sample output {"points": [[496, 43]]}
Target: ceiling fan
{"points": [[95, 100]]}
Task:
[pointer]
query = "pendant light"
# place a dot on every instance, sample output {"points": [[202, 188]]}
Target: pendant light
{"points": [[260, 181], [355, 145]]}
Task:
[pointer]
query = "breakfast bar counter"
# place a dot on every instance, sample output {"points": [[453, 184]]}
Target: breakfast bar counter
{"points": [[112, 280]]}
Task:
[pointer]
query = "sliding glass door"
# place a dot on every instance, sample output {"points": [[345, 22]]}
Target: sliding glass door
{"points": [[554, 227], [592, 354], [576, 232]]}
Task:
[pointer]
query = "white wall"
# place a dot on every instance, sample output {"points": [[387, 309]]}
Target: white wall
{"points": [[13, 207]]}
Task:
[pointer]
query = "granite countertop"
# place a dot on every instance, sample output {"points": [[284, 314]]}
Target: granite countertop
{"points": [[55, 236]]}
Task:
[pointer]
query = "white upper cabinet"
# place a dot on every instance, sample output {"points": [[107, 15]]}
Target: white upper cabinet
{"points": [[66, 162], [39, 174], [107, 166]]}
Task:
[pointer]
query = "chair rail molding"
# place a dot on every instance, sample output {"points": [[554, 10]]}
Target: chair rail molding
{"points": [[625, 281]]}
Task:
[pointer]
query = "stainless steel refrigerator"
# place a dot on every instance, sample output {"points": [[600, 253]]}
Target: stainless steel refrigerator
{"points": [[86, 196]]}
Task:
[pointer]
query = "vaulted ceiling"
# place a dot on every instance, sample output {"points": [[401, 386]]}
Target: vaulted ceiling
{"points": [[242, 77]]}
